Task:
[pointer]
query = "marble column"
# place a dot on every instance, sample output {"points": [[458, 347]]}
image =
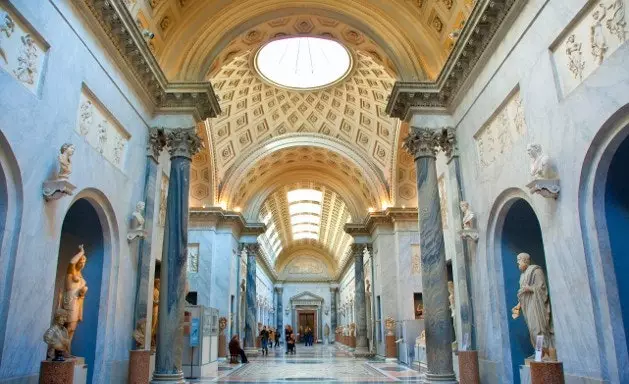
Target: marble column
{"points": [[144, 286], [182, 145], [463, 319], [251, 327], [279, 310], [333, 310], [360, 309], [422, 144]]}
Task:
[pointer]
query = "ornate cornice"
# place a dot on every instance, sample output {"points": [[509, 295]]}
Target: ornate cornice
{"points": [[216, 216], [156, 142], [134, 55], [484, 22], [183, 142], [448, 142]]}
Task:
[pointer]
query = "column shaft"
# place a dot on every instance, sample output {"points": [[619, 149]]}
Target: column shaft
{"points": [[279, 311], [250, 316], [333, 314], [360, 309], [422, 144]]}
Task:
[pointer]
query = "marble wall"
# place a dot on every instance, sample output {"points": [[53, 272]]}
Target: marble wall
{"points": [[569, 88], [46, 82]]}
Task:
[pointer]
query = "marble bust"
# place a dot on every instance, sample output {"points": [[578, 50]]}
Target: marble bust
{"points": [[222, 324], [468, 215], [75, 289], [534, 304], [65, 160], [137, 222], [541, 167], [389, 325], [57, 337]]}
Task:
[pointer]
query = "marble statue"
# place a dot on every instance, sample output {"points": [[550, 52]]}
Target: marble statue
{"points": [[222, 324], [421, 339], [367, 286], [533, 303], [155, 318], [389, 325], [65, 160], [137, 222], [451, 297], [74, 292], [419, 311], [326, 330], [540, 165], [57, 336], [139, 334], [468, 215], [352, 329]]}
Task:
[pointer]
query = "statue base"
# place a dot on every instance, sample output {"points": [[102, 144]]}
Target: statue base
{"points": [[222, 345], [136, 234], [468, 367], [441, 379], [139, 366], [71, 371], [547, 188], [391, 348], [56, 189], [547, 372], [469, 234]]}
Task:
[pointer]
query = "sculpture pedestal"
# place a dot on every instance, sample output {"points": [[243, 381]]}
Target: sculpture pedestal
{"points": [[547, 372], [468, 367], [56, 189], [139, 366], [352, 342], [222, 346], [547, 188], [391, 348], [56, 372], [258, 342]]}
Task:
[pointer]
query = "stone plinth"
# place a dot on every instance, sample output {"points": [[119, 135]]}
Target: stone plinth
{"points": [[222, 346], [56, 372], [258, 342], [391, 349], [352, 341], [547, 188], [468, 367], [139, 366], [547, 372], [56, 189]]}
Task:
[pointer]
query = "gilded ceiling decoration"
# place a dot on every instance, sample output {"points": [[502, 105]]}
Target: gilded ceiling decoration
{"points": [[191, 34]]}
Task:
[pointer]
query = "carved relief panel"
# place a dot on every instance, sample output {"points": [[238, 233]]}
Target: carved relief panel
{"points": [[22, 52], [98, 127], [416, 259], [589, 42], [443, 201], [497, 136], [193, 258]]}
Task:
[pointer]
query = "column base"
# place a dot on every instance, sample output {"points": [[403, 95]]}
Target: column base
{"points": [[361, 352], [447, 379], [251, 352], [390, 359], [168, 378]]}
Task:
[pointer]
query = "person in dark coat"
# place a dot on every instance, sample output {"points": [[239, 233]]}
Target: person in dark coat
{"points": [[235, 350]]}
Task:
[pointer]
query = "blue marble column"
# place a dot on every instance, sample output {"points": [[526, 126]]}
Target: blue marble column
{"points": [[251, 327], [279, 310], [360, 309], [144, 290], [333, 312], [422, 144], [182, 145], [463, 302]]}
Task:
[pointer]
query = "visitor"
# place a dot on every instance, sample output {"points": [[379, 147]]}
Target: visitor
{"points": [[235, 350], [287, 334], [271, 336], [277, 338], [264, 338], [290, 343]]}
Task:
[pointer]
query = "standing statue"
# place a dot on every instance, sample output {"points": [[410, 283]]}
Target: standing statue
{"points": [[533, 301], [65, 161], [74, 292], [468, 215], [155, 318], [540, 165], [326, 330], [57, 337]]}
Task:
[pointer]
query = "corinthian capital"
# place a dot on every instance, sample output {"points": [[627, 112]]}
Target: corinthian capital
{"points": [[157, 142], [423, 142], [183, 142], [251, 248], [448, 142]]}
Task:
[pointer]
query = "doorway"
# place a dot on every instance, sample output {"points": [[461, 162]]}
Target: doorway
{"points": [[305, 320]]}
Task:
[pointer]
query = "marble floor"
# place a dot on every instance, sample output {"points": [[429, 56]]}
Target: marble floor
{"points": [[320, 364]]}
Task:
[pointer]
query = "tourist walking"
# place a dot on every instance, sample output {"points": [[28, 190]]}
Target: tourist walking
{"points": [[264, 339]]}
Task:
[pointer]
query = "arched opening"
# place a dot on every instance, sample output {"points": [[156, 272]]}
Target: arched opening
{"points": [[81, 225], [617, 218], [520, 233]]}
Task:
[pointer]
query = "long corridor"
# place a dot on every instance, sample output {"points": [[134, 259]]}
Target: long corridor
{"points": [[320, 364]]}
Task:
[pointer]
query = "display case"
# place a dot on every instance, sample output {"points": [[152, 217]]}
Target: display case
{"points": [[200, 347]]}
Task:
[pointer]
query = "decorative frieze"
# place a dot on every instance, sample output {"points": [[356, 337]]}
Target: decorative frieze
{"points": [[22, 54], [193, 258], [589, 42], [497, 136], [163, 198], [98, 127], [416, 259]]}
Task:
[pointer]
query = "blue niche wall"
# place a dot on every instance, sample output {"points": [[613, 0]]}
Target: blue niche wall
{"points": [[82, 226], [617, 217], [521, 233]]}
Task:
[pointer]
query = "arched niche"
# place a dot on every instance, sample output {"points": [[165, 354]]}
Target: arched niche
{"points": [[82, 225], [604, 214], [519, 232], [10, 222]]}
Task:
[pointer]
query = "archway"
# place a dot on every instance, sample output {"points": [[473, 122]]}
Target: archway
{"points": [[520, 233], [82, 225]]}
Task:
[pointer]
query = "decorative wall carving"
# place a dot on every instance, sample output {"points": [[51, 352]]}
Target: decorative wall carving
{"points": [[97, 126], [498, 135], [443, 201], [416, 259], [305, 267], [21, 53], [589, 42], [193, 258], [163, 198]]}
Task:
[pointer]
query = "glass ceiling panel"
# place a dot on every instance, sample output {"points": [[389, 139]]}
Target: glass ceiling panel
{"points": [[305, 235], [305, 211], [303, 62], [305, 227], [304, 194], [303, 218], [304, 207]]}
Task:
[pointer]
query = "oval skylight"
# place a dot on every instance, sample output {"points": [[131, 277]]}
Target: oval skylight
{"points": [[303, 62]]}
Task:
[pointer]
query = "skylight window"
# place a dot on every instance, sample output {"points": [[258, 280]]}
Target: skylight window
{"points": [[305, 210], [303, 62]]}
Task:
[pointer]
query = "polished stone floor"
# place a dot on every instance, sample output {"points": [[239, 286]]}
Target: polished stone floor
{"points": [[320, 364]]}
